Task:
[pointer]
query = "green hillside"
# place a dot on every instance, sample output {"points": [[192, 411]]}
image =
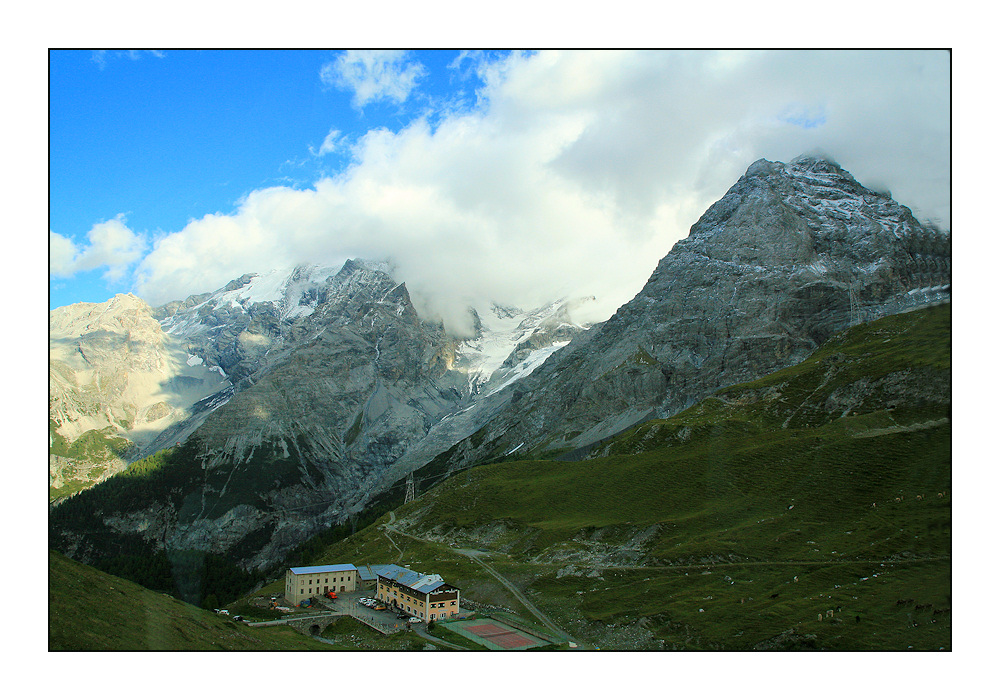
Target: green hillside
{"points": [[737, 524], [93, 611]]}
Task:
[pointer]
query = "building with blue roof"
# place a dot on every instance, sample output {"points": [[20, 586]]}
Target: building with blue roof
{"points": [[369, 573], [426, 596], [303, 582]]}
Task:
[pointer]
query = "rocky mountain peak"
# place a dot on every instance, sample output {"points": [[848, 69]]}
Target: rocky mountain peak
{"points": [[339, 388], [122, 314], [790, 255]]}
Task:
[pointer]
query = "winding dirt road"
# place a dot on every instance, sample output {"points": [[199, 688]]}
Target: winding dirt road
{"points": [[474, 556]]}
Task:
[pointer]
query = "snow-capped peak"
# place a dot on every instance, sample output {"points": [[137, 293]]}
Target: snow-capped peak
{"points": [[512, 343]]}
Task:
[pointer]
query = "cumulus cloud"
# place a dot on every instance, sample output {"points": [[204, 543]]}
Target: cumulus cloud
{"points": [[110, 244], [332, 142], [373, 75], [576, 172], [101, 57]]}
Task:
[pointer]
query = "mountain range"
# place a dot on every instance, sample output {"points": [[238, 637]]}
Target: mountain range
{"points": [[258, 415]]}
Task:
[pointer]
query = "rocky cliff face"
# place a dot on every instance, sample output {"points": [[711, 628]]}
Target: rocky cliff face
{"points": [[335, 387], [335, 383], [790, 255], [116, 381]]}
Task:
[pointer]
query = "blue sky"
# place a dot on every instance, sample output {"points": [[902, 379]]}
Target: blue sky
{"points": [[508, 176], [166, 137]]}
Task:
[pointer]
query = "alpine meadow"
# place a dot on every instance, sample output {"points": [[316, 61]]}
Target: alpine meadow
{"points": [[577, 351]]}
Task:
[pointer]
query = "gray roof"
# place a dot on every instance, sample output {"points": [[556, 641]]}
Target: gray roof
{"points": [[430, 587], [370, 572], [424, 583]]}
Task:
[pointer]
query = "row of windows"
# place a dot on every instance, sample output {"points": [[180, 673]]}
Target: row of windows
{"points": [[327, 580]]}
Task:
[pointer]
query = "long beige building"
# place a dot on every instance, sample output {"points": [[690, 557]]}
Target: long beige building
{"points": [[303, 582], [426, 596]]}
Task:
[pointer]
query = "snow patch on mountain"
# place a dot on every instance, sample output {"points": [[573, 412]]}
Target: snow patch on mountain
{"points": [[488, 358], [526, 367]]}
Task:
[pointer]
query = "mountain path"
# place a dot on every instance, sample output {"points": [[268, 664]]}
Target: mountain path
{"points": [[542, 617]]}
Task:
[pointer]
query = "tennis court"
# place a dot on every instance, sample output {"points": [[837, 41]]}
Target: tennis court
{"points": [[495, 635]]}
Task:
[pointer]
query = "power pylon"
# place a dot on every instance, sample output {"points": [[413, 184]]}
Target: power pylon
{"points": [[410, 490]]}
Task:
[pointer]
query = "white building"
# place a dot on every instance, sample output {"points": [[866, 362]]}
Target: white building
{"points": [[303, 582]]}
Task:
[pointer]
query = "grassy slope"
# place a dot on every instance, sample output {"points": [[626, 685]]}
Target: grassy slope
{"points": [[94, 611], [89, 455], [748, 530], [346, 633], [738, 522]]}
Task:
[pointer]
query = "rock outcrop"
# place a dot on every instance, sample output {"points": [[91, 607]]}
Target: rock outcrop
{"points": [[336, 385], [116, 381], [790, 255]]}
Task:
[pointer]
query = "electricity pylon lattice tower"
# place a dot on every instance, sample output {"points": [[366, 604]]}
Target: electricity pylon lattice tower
{"points": [[410, 490]]}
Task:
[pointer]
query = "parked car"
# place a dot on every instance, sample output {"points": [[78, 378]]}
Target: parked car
{"points": [[223, 612], [238, 618], [414, 619], [402, 616], [379, 606], [331, 595]]}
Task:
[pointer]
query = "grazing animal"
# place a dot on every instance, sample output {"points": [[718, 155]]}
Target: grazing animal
{"points": [[857, 618], [774, 595]]}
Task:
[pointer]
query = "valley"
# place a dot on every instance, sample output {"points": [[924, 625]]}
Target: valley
{"points": [[754, 453], [748, 531], [792, 512]]}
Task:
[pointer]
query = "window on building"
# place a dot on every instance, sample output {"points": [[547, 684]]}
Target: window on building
{"points": [[302, 591]]}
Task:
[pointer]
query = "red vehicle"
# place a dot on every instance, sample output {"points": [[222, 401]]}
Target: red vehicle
{"points": [[331, 595]]}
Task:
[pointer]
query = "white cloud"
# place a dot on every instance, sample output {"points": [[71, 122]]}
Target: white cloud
{"points": [[332, 142], [111, 244], [100, 57], [576, 172], [373, 75]]}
